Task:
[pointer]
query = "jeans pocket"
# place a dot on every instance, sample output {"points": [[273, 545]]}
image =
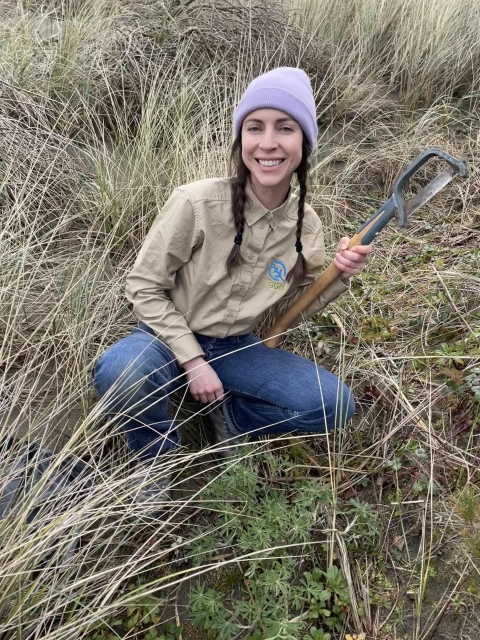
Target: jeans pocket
{"points": [[258, 405], [210, 351]]}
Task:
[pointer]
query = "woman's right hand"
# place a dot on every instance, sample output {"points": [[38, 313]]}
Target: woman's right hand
{"points": [[204, 384]]}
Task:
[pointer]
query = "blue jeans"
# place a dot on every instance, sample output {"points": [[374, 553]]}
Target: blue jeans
{"points": [[267, 390]]}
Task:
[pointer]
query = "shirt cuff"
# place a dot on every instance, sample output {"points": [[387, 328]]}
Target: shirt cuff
{"points": [[336, 289], [185, 348]]}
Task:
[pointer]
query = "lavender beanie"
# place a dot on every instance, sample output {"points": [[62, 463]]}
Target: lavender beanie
{"points": [[285, 88]]}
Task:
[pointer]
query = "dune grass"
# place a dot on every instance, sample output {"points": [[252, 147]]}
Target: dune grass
{"points": [[104, 108]]}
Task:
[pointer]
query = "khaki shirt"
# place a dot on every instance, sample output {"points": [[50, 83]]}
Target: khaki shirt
{"points": [[179, 283]]}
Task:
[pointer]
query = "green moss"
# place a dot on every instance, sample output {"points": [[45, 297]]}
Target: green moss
{"points": [[377, 329], [300, 452]]}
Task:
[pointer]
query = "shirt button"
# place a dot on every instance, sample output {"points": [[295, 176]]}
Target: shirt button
{"points": [[262, 226], [251, 256], [230, 314]]}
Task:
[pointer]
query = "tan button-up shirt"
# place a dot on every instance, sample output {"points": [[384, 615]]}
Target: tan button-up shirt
{"points": [[179, 283]]}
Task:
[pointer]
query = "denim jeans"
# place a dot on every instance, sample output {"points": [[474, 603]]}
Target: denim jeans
{"points": [[267, 390]]}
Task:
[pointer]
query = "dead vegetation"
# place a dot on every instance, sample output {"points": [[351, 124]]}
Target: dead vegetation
{"points": [[104, 108]]}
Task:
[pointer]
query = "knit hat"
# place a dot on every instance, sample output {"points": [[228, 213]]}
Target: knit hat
{"points": [[285, 88]]}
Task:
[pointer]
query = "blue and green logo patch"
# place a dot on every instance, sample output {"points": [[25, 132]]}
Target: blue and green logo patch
{"points": [[277, 274]]}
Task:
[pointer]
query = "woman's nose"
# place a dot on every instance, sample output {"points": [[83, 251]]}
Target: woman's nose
{"points": [[268, 140]]}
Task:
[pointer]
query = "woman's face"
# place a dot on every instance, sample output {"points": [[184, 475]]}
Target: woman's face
{"points": [[271, 147]]}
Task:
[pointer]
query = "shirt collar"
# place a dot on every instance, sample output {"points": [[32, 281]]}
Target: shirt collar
{"points": [[254, 209]]}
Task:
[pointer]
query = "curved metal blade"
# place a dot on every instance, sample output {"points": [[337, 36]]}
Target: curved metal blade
{"points": [[429, 190]]}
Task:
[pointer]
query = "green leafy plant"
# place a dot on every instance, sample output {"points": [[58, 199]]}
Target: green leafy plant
{"points": [[364, 535], [273, 598], [472, 383], [317, 634], [452, 354], [170, 632], [422, 484]]}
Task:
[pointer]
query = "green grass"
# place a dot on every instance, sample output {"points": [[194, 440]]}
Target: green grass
{"points": [[105, 107]]}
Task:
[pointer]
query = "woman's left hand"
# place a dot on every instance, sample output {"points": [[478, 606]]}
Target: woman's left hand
{"points": [[351, 261]]}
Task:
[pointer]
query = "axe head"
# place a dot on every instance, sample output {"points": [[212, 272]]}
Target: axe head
{"points": [[455, 167]]}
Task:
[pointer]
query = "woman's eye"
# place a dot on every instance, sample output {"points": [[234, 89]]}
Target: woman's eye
{"points": [[255, 128]]}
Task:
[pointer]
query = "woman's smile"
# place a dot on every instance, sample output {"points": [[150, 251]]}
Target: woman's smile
{"points": [[269, 165]]}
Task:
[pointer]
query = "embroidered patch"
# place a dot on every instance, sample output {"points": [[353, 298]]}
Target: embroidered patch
{"points": [[277, 274]]}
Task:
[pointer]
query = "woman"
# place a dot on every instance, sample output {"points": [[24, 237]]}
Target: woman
{"points": [[220, 253]]}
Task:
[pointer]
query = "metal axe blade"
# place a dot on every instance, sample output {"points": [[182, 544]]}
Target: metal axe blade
{"points": [[429, 190]]}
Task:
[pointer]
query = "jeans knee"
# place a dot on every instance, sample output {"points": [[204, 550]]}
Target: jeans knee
{"points": [[336, 410], [116, 372]]}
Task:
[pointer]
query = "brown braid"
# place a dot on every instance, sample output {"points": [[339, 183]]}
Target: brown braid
{"points": [[299, 269], [240, 175]]}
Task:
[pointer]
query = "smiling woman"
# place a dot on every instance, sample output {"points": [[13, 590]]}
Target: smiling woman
{"points": [[198, 298]]}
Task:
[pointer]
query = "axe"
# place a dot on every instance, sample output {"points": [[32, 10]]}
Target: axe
{"points": [[371, 228]]}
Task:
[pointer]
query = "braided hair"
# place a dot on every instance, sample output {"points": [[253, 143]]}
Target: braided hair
{"points": [[299, 270], [240, 175]]}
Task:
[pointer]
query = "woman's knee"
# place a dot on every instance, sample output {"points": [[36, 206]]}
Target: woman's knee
{"points": [[331, 410], [126, 366], [115, 371]]}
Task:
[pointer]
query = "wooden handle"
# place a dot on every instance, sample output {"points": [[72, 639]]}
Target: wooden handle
{"points": [[324, 280]]}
